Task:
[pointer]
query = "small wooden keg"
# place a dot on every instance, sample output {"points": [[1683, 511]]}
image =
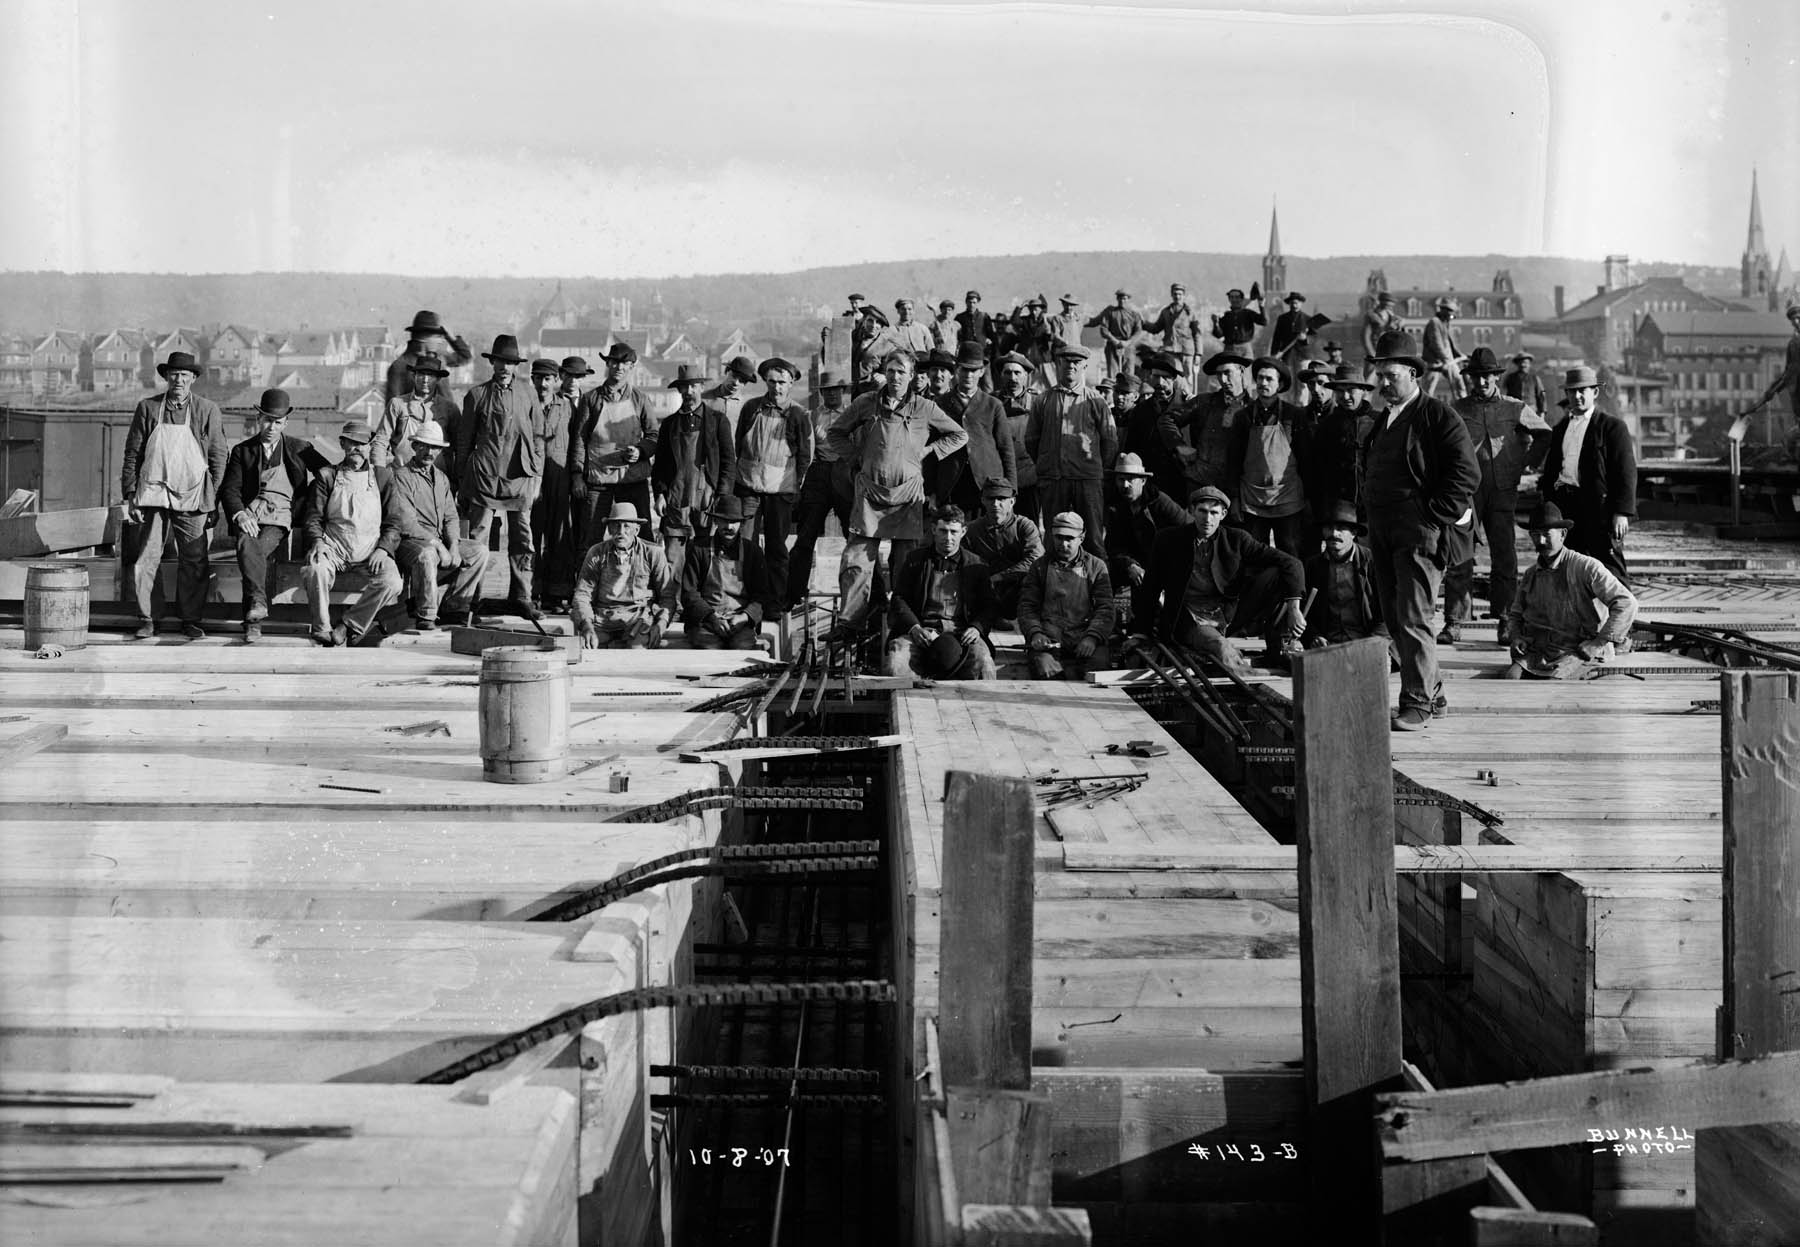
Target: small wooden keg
{"points": [[524, 714], [56, 605]]}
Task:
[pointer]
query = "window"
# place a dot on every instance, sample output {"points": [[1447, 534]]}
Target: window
{"points": [[1481, 307], [1413, 307]]}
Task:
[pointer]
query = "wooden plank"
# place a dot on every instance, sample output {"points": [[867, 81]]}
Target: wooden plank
{"points": [[1409, 859], [477, 640], [1349, 941], [26, 1163], [1546, 1112], [994, 1225], [47, 532], [1000, 1144], [32, 740], [18, 1087], [984, 1020], [1745, 1178], [1516, 1227]]}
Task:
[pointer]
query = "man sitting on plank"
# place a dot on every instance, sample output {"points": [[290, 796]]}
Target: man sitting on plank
{"points": [[1556, 625]]}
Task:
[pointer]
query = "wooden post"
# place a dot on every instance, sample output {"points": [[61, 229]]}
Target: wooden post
{"points": [[1349, 933], [984, 996], [1747, 1178]]}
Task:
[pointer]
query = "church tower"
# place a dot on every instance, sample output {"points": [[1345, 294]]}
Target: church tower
{"points": [[1274, 266], [1758, 280]]}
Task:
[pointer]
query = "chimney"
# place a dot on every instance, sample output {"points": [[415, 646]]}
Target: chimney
{"points": [[1599, 289], [1559, 302], [1618, 272]]}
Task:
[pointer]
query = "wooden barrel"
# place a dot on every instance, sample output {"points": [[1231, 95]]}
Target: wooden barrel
{"points": [[56, 605], [524, 714]]}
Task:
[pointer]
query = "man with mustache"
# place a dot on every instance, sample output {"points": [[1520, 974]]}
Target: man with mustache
{"points": [[1555, 628], [263, 494], [343, 533], [500, 461]]}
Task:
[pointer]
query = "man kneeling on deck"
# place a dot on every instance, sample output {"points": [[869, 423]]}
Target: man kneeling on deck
{"points": [[719, 597], [420, 530], [1066, 604], [1006, 541], [1207, 581], [343, 529], [1557, 633], [623, 595], [942, 608]]}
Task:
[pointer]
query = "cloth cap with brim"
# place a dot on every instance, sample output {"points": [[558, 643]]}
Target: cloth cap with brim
{"points": [[1130, 465], [1159, 362], [623, 513], [1234, 293], [832, 379], [545, 368], [1209, 493], [1522, 356], [429, 365], [998, 487], [688, 374], [1343, 515], [357, 431], [1224, 359], [506, 351], [1483, 362], [1126, 383], [772, 363], [1072, 350], [576, 366], [1121, 293], [1013, 357], [621, 353], [944, 303], [274, 403], [1105, 386], [429, 433], [902, 302], [1384, 297], [938, 359], [1546, 515], [178, 361], [1348, 377], [1399, 347], [945, 653], [727, 507], [742, 368], [1446, 305], [1068, 522], [1581, 378], [1293, 297], [1269, 361]]}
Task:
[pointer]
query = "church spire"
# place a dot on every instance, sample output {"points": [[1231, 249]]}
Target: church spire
{"points": [[1275, 230], [1755, 275], [1754, 244], [1274, 265]]}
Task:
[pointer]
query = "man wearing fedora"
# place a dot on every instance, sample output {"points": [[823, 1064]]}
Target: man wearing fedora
{"points": [[1118, 326], [1419, 478], [990, 452], [1504, 433], [1381, 318], [1270, 457], [942, 608], [175, 453], [1523, 384], [720, 606], [1207, 583], [1341, 580], [1292, 333], [264, 490], [500, 462], [1590, 472], [1007, 542], [613, 448], [552, 509], [1066, 609], [1316, 396], [1136, 511], [1181, 336], [343, 533], [694, 463], [887, 436], [1236, 326], [1556, 631], [826, 491], [1442, 354], [1016, 394], [774, 445], [427, 336], [1073, 440], [420, 532], [625, 594], [406, 412], [1208, 423], [1334, 461]]}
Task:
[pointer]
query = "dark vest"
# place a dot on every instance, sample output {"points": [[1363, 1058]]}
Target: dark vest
{"points": [[1387, 475]]}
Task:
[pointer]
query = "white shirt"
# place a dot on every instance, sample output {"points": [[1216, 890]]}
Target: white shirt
{"points": [[1393, 412], [1573, 433]]}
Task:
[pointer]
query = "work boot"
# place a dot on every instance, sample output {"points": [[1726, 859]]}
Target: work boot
{"points": [[145, 630], [527, 609], [369, 637], [1411, 719], [340, 635], [193, 632], [1451, 635], [1503, 633], [252, 632], [256, 614], [424, 624], [324, 636]]}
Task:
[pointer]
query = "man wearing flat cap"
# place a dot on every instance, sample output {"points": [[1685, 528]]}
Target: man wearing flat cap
{"points": [[942, 608], [612, 450], [1555, 627], [1207, 425], [1590, 472], [720, 606], [1419, 478], [1123, 393], [263, 493], [914, 335], [1007, 542], [1016, 393], [1207, 583], [407, 411], [1118, 326], [427, 336], [975, 325], [1504, 433], [735, 380], [1292, 333], [695, 462], [1073, 440], [625, 593], [1314, 385], [1236, 326], [1066, 325], [1334, 461], [1029, 332], [1381, 318], [500, 459], [419, 531], [990, 452], [1523, 383], [1152, 432], [175, 453], [343, 533], [1065, 605], [1341, 580], [1182, 341], [1270, 457], [774, 444], [1442, 354], [943, 327], [827, 489]]}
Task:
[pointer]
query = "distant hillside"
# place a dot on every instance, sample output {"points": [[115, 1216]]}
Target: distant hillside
{"points": [[37, 302]]}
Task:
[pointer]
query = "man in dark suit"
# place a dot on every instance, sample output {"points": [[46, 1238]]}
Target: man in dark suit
{"points": [[1207, 582], [1419, 478], [1291, 332], [262, 495], [942, 608], [1590, 472]]}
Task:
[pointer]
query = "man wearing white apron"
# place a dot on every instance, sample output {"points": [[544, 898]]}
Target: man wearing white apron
{"points": [[343, 527], [175, 455]]}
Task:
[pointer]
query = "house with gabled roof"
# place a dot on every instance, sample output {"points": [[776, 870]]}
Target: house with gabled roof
{"points": [[15, 362], [235, 357], [373, 343], [116, 361], [682, 349], [1605, 326], [56, 362], [189, 340]]}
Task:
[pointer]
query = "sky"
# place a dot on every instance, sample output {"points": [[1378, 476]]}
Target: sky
{"points": [[647, 138]]}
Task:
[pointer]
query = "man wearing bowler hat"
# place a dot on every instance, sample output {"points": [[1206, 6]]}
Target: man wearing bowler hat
{"points": [[1073, 440], [175, 453], [1236, 326], [774, 443], [990, 452], [1341, 579], [1288, 343], [719, 596], [625, 594], [500, 464], [1504, 433], [694, 463], [1556, 630], [1523, 384], [343, 533], [1590, 472], [406, 412], [427, 335], [419, 530], [1419, 478], [1334, 471], [264, 490], [1065, 605], [1270, 458], [942, 608], [613, 447], [1118, 325]]}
